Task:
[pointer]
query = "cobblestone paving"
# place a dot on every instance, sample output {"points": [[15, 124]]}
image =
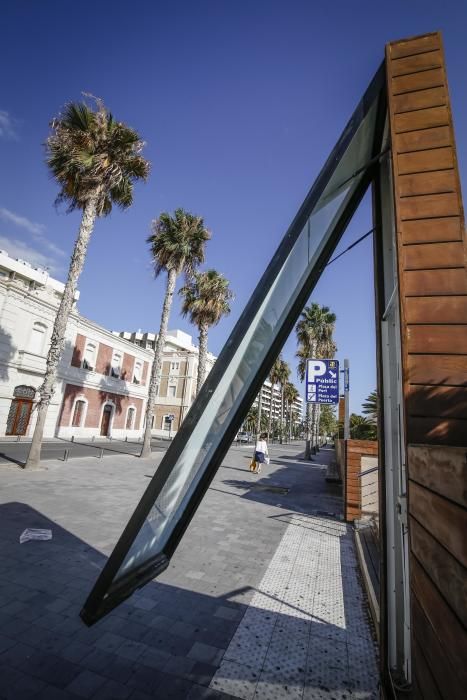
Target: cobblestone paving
{"points": [[169, 640]]}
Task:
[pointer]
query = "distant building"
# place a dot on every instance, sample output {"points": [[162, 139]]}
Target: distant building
{"points": [[271, 399], [177, 387]]}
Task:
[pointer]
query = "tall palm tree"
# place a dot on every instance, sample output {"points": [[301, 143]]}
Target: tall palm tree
{"points": [[290, 395], [283, 378], [314, 335], [177, 245], [206, 300], [274, 378], [95, 161]]}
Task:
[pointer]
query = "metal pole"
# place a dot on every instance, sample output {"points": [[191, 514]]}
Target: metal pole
{"points": [[346, 401]]}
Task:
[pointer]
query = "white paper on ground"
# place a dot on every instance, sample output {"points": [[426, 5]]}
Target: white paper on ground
{"points": [[35, 534]]}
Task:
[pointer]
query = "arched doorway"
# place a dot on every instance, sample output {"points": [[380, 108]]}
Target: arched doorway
{"points": [[20, 410], [106, 420]]}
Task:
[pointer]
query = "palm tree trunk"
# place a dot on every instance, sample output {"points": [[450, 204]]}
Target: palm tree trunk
{"points": [[282, 413], [270, 415], [308, 432], [58, 334], [258, 417], [157, 362], [203, 352]]}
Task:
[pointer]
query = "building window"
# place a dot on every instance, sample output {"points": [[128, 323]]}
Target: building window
{"points": [[137, 373], [78, 413], [171, 391], [37, 342], [130, 418], [89, 360], [174, 366], [116, 368]]}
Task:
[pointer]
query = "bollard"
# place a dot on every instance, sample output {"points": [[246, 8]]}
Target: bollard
{"points": [[101, 453], [92, 439], [18, 438], [65, 456], [126, 438], [72, 438]]}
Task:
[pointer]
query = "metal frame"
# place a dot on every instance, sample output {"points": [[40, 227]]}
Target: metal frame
{"points": [[106, 593]]}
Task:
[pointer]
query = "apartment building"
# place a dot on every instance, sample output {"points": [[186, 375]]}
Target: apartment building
{"points": [[177, 387]]}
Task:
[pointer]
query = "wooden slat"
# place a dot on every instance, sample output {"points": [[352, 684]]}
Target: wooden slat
{"points": [[423, 684], [433, 255], [431, 230], [424, 339], [437, 137], [443, 569], [433, 282], [429, 206], [437, 369], [433, 666], [444, 520], [441, 470], [419, 44], [422, 161], [421, 99], [443, 401], [437, 431], [427, 183], [421, 119], [427, 310], [419, 62], [447, 628], [417, 81]]}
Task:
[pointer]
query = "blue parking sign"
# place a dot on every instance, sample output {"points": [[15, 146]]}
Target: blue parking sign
{"points": [[322, 381]]}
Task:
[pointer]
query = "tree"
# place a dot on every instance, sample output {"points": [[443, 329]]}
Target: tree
{"points": [[314, 335], [274, 378], [95, 161], [283, 378], [206, 300], [370, 407], [177, 245], [328, 420], [361, 428], [290, 394]]}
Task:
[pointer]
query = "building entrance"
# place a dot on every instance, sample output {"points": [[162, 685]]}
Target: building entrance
{"points": [[20, 410], [105, 422]]}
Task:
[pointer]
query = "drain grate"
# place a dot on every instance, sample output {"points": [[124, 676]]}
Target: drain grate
{"points": [[271, 489]]}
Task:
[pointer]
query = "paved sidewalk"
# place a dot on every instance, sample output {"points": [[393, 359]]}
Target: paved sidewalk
{"points": [[258, 556]]}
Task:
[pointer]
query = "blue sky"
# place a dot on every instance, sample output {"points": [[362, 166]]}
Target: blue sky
{"points": [[240, 103]]}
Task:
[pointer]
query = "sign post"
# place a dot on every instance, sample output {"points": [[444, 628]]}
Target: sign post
{"points": [[346, 401]]}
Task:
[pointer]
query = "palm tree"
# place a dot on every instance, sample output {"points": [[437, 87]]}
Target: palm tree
{"points": [[95, 160], [274, 378], [283, 378], [205, 300], [314, 335], [290, 395], [177, 245], [361, 428], [370, 407]]}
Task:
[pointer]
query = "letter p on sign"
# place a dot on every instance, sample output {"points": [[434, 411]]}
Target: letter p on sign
{"points": [[316, 368]]}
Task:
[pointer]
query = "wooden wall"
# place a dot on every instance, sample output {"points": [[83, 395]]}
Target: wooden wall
{"points": [[433, 295], [354, 451]]}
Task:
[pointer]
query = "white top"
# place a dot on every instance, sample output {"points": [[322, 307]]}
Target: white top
{"points": [[262, 446]]}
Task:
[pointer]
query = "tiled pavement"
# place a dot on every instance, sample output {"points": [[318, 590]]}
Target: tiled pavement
{"points": [[256, 580]]}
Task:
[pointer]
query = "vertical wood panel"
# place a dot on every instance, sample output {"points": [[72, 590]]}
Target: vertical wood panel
{"points": [[432, 275]]}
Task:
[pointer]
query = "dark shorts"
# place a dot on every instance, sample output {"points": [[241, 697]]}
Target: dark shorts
{"points": [[259, 457]]}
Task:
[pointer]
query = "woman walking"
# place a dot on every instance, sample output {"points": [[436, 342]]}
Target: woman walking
{"points": [[261, 453]]}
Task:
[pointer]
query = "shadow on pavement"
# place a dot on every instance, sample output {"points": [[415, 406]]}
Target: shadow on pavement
{"points": [[166, 641]]}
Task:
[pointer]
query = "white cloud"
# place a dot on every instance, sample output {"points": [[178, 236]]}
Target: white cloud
{"points": [[21, 221], [36, 230], [7, 126], [19, 249]]}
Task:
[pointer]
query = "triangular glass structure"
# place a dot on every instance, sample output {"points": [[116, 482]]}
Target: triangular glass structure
{"points": [[174, 493]]}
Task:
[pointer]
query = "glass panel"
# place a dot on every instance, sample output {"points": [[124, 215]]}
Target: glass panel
{"points": [[276, 303]]}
